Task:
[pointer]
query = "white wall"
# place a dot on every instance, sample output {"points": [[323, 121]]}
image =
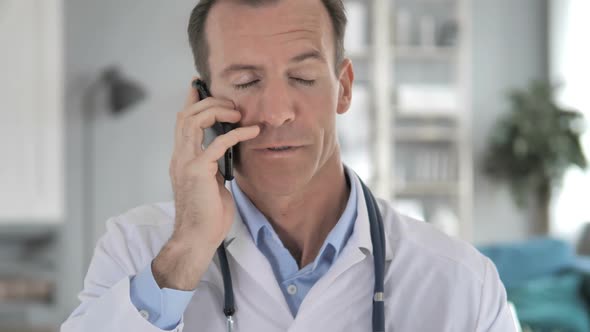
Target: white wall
{"points": [[131, 152], [509, 49]]}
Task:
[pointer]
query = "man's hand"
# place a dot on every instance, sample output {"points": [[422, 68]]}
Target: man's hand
{"points": [[204, 207]]}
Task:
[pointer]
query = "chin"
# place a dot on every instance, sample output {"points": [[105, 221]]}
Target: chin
{"points": [[276, 177]]}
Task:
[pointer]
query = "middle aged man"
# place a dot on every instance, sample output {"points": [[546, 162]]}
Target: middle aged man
{"points": [[295, 222]]}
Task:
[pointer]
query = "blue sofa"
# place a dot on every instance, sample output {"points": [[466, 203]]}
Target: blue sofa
{"points": [[547, 282]]}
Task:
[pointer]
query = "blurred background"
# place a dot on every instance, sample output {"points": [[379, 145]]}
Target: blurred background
{"points": [[466, 114]]}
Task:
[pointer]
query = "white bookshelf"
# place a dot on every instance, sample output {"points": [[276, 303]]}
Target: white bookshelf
{"points": [[410, 133]]}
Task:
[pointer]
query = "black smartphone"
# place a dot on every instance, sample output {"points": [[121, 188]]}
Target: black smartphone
{"points": [[225, 163]]}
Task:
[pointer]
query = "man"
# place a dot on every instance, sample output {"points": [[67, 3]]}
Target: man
{"points": [[294, 221]]}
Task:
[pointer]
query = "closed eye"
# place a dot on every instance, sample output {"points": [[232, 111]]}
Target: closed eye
{"points": [[252, 83], [304, 82], [246, 85]]}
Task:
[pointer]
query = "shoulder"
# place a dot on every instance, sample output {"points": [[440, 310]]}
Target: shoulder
{"points": [[142, 229], [426, 244], [154, 215], [132, 239]]}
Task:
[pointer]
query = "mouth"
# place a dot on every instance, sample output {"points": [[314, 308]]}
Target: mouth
{"points": [[281, 148], [279, 151]]}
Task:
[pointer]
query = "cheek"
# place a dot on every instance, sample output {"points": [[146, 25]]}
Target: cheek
{"points": [[246, 105], [326, 108], [318, 110], [321, 119]]}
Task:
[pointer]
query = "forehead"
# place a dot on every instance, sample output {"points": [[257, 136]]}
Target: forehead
{"points": [[256, 34]]}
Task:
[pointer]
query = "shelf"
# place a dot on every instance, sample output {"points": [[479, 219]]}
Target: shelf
{"points": [[28, 270], [425, 134], [428, 1], [17, 311], [425, 53], [23, 316], [408, 52], [427, 188], [422, 115], [17, 231], [26, 329], [22, 306]]}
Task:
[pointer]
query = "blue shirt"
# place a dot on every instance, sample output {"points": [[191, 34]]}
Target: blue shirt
{"points": [[164, 307]]}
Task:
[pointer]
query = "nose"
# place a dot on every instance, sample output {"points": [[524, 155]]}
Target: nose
{"points": [[275, 106]]}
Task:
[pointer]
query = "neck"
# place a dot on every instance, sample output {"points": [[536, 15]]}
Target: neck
{"points": [[303, 219]]}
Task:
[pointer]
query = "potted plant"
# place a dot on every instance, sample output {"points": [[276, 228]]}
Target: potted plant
{"points": [[532, 146]]}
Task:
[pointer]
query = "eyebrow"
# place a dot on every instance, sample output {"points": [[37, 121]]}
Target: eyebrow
{"points": [[296, 59]]}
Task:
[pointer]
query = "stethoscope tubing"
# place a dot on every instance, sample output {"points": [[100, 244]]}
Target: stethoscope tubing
{"points": [[378, 240]]}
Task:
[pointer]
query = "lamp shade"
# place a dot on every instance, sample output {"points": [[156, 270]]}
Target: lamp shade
{"points": [[124, 92]]}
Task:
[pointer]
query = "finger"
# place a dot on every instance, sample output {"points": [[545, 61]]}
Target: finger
{"points": [[205, 104], [192, 97], [208, 118], [194, 109], [193, 130], [224, 142]]}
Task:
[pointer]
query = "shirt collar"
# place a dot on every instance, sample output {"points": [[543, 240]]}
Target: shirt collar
{"points": [[254, 219], [256, 222]]}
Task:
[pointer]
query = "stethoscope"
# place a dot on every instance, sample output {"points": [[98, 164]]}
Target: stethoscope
{"points": [[378, 239]]}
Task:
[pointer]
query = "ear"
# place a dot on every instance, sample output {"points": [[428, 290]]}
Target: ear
{"points": [[346, 79]]}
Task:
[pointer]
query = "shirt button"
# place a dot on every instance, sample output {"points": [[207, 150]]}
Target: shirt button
{"points": [[292, 289], [144, 314]]}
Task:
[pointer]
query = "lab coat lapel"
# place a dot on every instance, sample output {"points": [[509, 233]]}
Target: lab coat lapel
{"points": [[363, 225], [358, 247], [241, 247], [349, 257]]}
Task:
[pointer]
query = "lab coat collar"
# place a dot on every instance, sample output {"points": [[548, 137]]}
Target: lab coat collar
{"points": [[361, 236], [362, 227], [241, 247]]}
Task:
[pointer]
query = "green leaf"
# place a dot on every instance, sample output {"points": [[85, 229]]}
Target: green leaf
{"points": [[536, 141]]}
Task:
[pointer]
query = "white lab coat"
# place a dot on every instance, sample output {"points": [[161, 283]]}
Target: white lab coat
{"points": [[432, 282]]}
